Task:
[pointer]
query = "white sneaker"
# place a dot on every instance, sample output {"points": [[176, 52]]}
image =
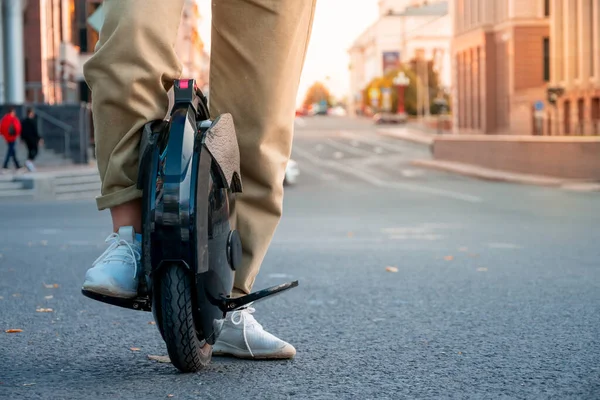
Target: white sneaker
{"points": [[30, 166], [114, 273], [243, 337]]}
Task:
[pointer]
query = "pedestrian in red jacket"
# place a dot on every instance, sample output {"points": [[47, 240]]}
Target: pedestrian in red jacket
{"points": [[10, 128]]}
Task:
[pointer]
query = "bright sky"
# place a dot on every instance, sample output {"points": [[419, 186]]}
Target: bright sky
{"points": [[336, 25]]}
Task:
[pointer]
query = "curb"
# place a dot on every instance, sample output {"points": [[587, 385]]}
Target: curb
{"points": [[504, 176]]}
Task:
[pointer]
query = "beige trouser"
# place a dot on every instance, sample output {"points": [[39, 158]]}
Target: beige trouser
{"points": [[257, 54]]}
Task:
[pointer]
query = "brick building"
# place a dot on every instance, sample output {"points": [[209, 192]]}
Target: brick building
{"points": [[501, 64], [51, 58], [60, 36], [575, 50]]}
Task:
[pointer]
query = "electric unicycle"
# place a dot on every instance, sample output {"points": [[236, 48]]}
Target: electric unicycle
{"points": [[189, 174]]}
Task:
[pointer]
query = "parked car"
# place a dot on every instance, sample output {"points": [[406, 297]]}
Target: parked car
{"points": [[291, 173]]}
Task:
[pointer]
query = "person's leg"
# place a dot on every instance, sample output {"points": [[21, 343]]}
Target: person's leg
{"points": [[257, 54], [12, 149], [129, 75], [6, 157], [31, 153]]}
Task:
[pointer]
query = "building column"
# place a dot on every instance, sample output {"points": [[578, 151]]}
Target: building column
{"points": [[570, 30], [15, 68], [596, 36], [556, 42], [584, 32]]}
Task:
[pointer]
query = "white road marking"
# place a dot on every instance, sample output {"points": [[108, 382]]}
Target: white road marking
{"points": [[338, 155], [373, 141], [349, 149], [316, 172], [372, 179]]}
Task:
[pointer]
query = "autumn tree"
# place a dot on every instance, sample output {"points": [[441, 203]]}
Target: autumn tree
{"points": [[410, 94], [317, 93]]}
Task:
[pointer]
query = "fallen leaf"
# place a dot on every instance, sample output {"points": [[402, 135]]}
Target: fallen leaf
{"points": [[51, 286], [134, 349], [449, 258], [473, 255], [1, 297], [391, 269], [350, 234], [17, 295], [44, 310], [48, 297], [161, 359], [482, 269], [460, 352], [13, 330], [151, 323], [463, 249], [169, 395], [44, 242], [28, 384]]}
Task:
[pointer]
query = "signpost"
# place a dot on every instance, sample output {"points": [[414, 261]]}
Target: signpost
{"points": [[401, 81], [538, 115]]}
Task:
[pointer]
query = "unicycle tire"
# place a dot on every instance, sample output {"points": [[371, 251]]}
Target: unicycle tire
{"points": [[186, 351]]}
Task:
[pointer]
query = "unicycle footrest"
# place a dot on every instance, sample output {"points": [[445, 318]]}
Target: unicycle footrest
{"points": [[138, 303], [232, 304]]}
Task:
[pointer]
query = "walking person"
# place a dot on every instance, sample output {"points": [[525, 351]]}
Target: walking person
{"points": [[10, 128], [31, 138]]}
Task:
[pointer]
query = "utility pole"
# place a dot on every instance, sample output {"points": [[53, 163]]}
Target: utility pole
{"points": [[2, 80], [13, 51]]}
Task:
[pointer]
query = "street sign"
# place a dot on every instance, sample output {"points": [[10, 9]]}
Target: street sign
{"points": [[539, 105]]}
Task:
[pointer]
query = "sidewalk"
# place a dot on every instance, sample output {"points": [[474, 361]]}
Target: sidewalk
{"points": [[411, 132], [420, 134], [52, 183], [503, 176]]}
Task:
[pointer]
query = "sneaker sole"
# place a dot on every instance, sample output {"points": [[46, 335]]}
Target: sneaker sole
{"points": [[107, 292], [233, 353]]}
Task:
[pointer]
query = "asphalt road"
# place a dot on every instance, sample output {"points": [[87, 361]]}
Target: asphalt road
{"points": [[496, 294]]}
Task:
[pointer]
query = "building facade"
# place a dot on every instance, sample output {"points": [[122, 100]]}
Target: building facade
{"points": [[405, 30], [575, 66], [501, 64], [59, 36]]}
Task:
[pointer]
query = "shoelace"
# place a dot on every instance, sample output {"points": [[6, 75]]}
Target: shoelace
{"points": [[115, 241], [245, 316]]}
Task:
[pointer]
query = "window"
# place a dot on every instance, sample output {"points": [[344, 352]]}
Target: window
{"points": [[546, 8], [567, 117], [546, 59]]}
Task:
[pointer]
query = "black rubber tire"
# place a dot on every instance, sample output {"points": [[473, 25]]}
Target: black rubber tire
{"points": [[186, 351]]}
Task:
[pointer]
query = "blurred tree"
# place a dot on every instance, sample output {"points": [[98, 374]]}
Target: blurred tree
{"points": [[316, 93], [410, 101], [387, 81]]}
